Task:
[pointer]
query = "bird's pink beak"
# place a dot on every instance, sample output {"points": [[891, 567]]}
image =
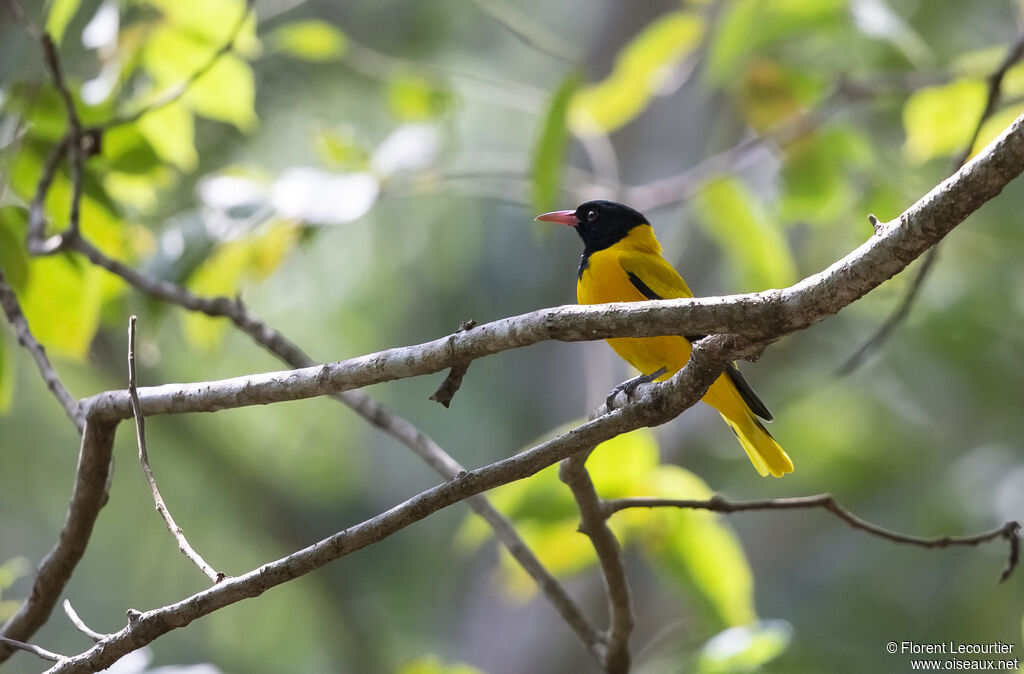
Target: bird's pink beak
{"points": [[561, 217]]}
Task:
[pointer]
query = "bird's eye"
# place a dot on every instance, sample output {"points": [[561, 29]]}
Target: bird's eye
{"points": [[591, 216]]}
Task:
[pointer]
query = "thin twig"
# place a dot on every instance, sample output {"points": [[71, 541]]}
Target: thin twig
{"points": [[1010, 531], [15, 316], [34, 650], [36, 212], [593, 523], [77, 621], [161, 506], [899, 315]]}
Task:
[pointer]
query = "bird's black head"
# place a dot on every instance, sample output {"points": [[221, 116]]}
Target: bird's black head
{"points": [[599, 223]]}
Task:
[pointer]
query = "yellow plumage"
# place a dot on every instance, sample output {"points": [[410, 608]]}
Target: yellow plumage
{"points": [[606, 277]]}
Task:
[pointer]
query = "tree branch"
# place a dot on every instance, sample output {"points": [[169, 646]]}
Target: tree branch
{"points": [[158, 499], [655, 404], [30, 648], [1010, 531], [593, 523], [763, 316], [15, 316], [896, 318], [79, 624], [89, 495]]}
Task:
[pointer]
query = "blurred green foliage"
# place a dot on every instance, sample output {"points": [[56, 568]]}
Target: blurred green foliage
{"points": [[364, 175]]}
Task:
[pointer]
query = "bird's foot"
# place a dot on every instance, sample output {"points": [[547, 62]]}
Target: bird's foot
{"points": [[630, 385]]}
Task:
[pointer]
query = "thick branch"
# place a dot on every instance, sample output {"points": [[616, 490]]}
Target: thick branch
{"points": [[1010, 531], [89, 495], [656, 404], [593, 523], [765, 316]]}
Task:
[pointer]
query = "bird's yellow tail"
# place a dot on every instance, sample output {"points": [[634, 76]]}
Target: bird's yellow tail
{"points": [[767, 455]]}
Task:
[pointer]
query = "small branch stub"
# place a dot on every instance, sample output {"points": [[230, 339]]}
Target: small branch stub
{"points": [[451, 384]]}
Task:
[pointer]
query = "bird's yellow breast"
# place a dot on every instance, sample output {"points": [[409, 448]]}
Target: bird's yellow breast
{"points": [[606, 278]]}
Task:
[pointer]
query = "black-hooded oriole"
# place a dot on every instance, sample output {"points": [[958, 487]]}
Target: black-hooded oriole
{"points": [[622, 262]]}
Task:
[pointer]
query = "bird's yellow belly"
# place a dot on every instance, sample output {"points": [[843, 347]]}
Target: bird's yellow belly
{"points": [[604, 280]]}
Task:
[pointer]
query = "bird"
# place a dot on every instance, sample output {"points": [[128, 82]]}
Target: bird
{"points": [[622, 262]]}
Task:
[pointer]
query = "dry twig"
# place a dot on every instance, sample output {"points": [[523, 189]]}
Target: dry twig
{"points": [[140, 436]]}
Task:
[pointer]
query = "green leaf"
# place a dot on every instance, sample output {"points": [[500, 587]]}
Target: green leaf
{"points": [[549, 152], [745, 648], [939, 120], [697, 548], [994, 126], [311, 40], [127, 150], [41, 106], [751, 242], [13, 259], [416, 98], [61, 13], [227, 92], [170, 131], [624, 465], [62, 304], [211, 22], [641, 69], [222, 272]]}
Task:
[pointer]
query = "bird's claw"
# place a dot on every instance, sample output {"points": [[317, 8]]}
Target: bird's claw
{"points": [[630, 385]]}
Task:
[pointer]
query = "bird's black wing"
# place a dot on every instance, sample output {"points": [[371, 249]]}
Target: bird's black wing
{"points": [[746, 392]]}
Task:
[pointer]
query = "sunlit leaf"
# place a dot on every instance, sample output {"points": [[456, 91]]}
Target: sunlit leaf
{"points": [[172, 56], [414, 98], [698, 549], [170, 131], [752, 243], [61, 13], [623, 465], [994, 126], [62, 304], [745, 648], [222, 273], [311, 40], [939, 120], [747, 26], [549, 152], [429, 664], [641, 69], [227, 92], [13, 258], [211, 22]]}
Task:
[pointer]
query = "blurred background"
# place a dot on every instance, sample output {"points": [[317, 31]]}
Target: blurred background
{"points": [[365, 175]]}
